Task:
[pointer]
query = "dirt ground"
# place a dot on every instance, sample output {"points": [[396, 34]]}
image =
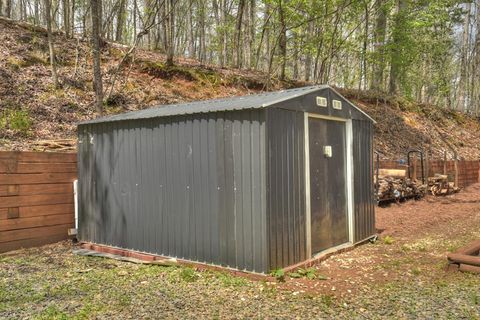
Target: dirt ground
{"points": [[402, 276]]}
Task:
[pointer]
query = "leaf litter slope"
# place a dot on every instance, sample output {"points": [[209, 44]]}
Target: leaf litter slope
{"points": [[31, 109]]}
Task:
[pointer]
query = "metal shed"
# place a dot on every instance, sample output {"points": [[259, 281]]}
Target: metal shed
{"points": [[254, 183]]}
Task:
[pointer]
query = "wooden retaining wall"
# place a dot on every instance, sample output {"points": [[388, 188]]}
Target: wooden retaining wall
{"points": [[468, 171], [36, 198]]}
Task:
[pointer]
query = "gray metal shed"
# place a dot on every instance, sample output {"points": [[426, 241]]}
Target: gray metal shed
{"points": [[254, 183]]}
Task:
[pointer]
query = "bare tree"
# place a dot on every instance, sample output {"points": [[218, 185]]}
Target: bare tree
{"points": [[8, 8], [51, 49], [476, 63], [463, 81], [380, 31], [395, 59], [95, 6], [66, 17], [120, 20], [238, 34], [170, 31]]}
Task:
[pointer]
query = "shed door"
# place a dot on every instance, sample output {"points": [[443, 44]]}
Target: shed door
{"points": [[328, 192]]}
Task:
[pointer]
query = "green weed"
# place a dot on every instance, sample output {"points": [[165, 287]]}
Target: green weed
{"points": [[17, 120], [52, 313], [188, 275], [231, 281], [309, 273], [388, 240], [278, 274]]}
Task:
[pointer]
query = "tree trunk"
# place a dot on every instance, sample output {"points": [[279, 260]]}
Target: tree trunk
{"points": [[238, 34], [97, 71], [396, 55], [191, 33], [36, 12], [380, 31], [8, 8], [461, 95], [170, 32], [363, 71], [120, 21], [476, 64], [72, 18], [51, 49], [308, 54], [282, 41], [252, 20], [66, 17]]}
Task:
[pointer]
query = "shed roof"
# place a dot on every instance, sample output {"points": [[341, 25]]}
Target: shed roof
{"points": [[253, 101]]}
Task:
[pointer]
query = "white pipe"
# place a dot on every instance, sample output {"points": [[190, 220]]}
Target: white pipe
{"points": [[75, 195]]}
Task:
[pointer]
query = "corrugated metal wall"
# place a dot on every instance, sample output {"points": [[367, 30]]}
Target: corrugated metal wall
{"points": [[191, 187], [286, 187], [364, 207]]}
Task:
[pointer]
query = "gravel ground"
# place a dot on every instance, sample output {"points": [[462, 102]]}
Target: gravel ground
{"points": [[401, 276]]}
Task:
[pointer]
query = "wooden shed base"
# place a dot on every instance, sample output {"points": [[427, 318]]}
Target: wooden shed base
{"points": [[152, 258], [203, 266], [466, 259], [325, 255]]}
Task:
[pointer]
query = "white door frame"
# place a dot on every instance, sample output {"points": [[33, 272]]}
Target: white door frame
{"points": [[349, 178]]}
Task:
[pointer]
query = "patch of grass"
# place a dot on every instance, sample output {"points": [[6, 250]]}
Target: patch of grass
{"points": [[229, 280], [416, 271], [188, 274], [14, 63], [475, 299], [327, 300], [247, 82], [36, 57], [16, 120], [388, 240], [278, 274], [52, 313], [52, 92], [163, 71], [309, 273]]}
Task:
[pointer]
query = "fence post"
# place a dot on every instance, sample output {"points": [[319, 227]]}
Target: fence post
{"points": [[455, 166], [478, 174], [427, 166], [445, 162], [414, 176]]}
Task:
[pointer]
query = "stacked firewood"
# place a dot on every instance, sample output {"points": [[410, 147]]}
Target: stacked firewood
{"points": [[391, 188], [62, 145], [394, 185], [439, 185]]}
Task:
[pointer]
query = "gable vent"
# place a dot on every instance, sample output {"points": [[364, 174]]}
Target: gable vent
{"points": [[322, 102]]}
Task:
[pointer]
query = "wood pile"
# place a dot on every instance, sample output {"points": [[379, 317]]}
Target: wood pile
{"points": [[466, 259], [439, 185], [394, 185], [59, 145]]}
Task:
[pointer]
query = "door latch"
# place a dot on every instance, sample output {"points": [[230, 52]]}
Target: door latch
{"points": [[327, 151]]}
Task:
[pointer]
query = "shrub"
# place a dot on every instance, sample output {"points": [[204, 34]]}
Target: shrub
{"points": [[17, 120]]}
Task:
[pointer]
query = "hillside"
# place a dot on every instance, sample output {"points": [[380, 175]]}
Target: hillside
{"points": [[32, 110]]}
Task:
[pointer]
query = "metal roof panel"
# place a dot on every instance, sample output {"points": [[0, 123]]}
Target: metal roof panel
{"points": [[253, 101]]}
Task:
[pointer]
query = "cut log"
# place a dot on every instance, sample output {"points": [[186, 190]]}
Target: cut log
{"points": [[464, 259], [469, 268], [470, 249], [396, 173]]}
